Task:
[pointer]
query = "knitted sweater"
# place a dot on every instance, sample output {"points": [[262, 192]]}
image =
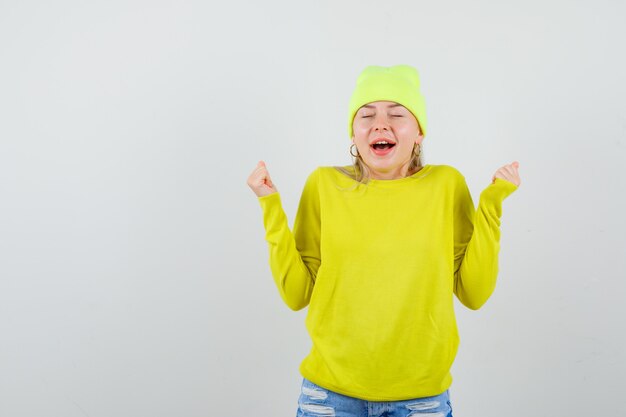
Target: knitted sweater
{"points": [[378, 265]]}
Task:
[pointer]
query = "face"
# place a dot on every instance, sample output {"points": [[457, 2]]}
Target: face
{"points": [[391, 121]]}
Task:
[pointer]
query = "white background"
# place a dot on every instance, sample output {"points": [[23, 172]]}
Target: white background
{"points": [[134, 275]]}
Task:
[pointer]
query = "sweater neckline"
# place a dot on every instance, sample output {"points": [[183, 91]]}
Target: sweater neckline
{"points": [[413, 177]]}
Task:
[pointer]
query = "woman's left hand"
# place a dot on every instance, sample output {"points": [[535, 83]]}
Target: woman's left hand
{"points": [[509, 173]]}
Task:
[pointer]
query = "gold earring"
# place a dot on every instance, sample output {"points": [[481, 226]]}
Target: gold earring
{"points": [[419, 146], [357, 151]]}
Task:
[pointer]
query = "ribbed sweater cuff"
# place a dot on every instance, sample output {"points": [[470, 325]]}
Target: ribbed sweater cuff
{"points": [[493, 196], [498, 190], [269, 200]]}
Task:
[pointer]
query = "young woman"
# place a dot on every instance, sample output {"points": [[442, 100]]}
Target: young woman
{"points": [[377, 252]]}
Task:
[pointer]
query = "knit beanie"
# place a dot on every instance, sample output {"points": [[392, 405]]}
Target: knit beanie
{"points": [[399, 83]]}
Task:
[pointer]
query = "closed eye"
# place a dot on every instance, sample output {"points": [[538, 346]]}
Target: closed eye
{"points": [[393, 115]]}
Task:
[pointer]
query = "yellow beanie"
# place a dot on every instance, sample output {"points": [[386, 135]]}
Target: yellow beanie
{"points": [[399, 83]]}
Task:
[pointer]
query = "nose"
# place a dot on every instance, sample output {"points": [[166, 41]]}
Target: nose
{"points": [[381, 122]]}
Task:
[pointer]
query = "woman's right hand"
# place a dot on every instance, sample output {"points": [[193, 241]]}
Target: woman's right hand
{"points": [[260, 182]]}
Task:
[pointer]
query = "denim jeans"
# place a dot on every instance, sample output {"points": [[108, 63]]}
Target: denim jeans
{"points": [[317, 401]]}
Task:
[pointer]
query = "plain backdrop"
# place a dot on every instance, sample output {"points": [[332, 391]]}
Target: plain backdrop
{"points": [[134, 274]]}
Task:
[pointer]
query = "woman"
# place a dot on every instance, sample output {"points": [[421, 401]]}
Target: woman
{"points": [[377, 252]]}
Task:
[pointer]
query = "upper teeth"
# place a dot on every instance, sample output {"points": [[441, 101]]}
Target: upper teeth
{"points": [[381, 142]]}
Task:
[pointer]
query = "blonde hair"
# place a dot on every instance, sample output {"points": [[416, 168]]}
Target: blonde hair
{"points": [[360, 172]]}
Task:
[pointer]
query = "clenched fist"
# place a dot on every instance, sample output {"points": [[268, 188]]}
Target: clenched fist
{"points": [[260, 182], [508, 172]]}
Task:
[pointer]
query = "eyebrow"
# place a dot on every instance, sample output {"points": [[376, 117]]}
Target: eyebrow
{"points": [[370, 106]]}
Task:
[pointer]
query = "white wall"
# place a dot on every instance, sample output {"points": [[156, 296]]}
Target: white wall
{"points": [[134, 277]]}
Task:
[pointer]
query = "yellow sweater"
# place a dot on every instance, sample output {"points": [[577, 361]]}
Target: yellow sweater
{"points": [[378, 265]]}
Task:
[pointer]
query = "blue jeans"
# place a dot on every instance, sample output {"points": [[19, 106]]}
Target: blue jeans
{"points": [[317, 401]]}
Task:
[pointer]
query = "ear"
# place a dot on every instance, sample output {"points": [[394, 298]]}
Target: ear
{"points": [[419, 129]]}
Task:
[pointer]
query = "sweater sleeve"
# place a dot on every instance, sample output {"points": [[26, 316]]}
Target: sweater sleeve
{"points": [[294, 258], [477, 241]]}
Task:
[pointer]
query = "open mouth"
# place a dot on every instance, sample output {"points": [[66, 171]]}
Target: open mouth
{"points": [[382, 149], [383, 146]]}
